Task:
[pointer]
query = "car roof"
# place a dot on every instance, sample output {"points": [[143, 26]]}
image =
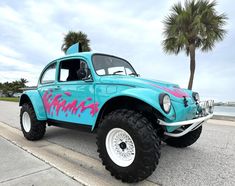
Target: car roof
{"points": [[87, 55], [78, 54]]}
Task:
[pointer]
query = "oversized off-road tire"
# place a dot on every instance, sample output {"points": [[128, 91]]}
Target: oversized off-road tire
{"points": [[32, 128], [186, 140], [128, 145]]}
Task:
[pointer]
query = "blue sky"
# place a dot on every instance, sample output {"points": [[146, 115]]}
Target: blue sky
{"points": [[32, 33]]}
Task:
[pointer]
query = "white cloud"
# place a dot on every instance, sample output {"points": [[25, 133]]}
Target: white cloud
{"points": [[32, 34], [9, 52], [13, 69], [9, 14]]}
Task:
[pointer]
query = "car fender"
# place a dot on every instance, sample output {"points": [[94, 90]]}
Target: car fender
{"points": [[146, 95], [150, 97], [36, 100]]}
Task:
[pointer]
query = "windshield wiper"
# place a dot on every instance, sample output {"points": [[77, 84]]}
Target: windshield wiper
{"points": [[133, 73], [119, 71]]}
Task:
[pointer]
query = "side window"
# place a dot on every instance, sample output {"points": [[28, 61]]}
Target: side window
{"points": [[72, 70], [49, 74]]}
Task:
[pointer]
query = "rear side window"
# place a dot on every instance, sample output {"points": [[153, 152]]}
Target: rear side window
{"points": [[49, 74]]}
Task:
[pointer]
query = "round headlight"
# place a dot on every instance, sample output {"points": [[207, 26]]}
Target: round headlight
{"points": [[196, 96], [165, 102]]}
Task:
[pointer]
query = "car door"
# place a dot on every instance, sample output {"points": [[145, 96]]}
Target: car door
{"points": [[47, 84], [72, 98]]}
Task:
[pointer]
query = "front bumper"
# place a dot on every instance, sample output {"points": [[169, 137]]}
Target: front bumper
{"points": [[206, 113]]}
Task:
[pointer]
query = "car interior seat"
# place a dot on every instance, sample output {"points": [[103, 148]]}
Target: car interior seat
{"points": [[72, 75], [81, 73]]}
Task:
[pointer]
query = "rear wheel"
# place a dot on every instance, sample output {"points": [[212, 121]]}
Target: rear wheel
{"points": [[186, 140], [32, 128], [128, 145]]}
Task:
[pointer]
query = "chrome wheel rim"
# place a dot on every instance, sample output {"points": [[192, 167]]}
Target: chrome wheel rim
{"points": [[120, 147], [26, 122]]}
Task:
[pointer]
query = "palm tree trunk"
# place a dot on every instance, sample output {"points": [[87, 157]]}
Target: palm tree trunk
{"points": [[192, 65]]}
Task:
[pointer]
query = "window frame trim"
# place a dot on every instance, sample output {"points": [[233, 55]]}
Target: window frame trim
{"points": [[46, 68], [60, 63], [92, 62]]}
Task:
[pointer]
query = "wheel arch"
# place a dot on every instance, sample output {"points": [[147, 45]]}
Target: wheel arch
{"points": [[24, 98], [33, 97], [128, 102]]}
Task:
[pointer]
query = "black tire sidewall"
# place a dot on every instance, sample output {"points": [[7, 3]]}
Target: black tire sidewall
{"points": [[121, 125], [147, 145], [37, 128], [22, 126], [186, 140]]}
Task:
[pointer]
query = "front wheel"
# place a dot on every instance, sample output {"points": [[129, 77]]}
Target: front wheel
{"points": [[128, 145], [186, 140], [32, 128]]}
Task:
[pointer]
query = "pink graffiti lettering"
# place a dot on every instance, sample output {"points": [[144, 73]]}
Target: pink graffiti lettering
{"points": [[68, 93], [59, 104], [175, 91]]}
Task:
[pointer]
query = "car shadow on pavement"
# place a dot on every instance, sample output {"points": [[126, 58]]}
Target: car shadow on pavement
{"points": [[79, 141], [177, 166]]}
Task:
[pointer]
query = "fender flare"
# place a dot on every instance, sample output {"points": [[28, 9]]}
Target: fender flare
{"points": [[35, 99], [148, 96]]}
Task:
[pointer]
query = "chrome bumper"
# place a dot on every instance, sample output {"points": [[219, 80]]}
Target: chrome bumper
{"points": [[195, 123], [207, 110]]}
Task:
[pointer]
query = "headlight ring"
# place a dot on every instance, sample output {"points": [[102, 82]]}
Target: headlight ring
{"points": [[165, 102]]}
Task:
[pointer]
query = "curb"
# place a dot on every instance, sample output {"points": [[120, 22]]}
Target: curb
{"points": [[222, 117], [82, 168]]}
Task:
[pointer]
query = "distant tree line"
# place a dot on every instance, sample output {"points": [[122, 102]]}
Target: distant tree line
{"points": [[8, 89]]}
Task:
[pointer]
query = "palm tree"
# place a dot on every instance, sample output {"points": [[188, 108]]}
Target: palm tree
{"points": [[74, 37], [196, 25], [23, 82]]}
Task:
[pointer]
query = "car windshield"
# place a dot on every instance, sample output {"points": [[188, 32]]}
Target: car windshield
{"points": [[109, 65]]}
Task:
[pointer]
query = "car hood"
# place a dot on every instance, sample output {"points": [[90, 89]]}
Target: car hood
{"points": [[173, 90]]}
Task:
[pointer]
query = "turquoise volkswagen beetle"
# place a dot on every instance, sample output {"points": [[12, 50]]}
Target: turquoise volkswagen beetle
{"points": [[132, 115]]}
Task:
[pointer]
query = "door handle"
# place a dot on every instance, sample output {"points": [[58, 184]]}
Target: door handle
{"points": [[57, 88]]}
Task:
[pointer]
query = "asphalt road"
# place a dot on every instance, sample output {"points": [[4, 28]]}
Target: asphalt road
{"points": [[210, 161]]}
